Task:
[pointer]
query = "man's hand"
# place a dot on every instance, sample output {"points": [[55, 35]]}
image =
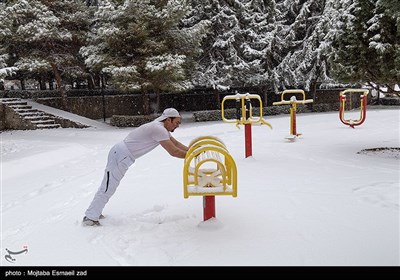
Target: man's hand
{"points": [[173, 149]]}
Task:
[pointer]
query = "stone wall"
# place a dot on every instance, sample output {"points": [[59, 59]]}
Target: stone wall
{"points": [[96, 107], [131, 121], [11, 120], [390, 101], [104, 104]]}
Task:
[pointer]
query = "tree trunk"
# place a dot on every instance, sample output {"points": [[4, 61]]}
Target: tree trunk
{"points": [[378, 99], [42, 83], [96, 79], [391, 88], [146, 105], [90, 82], [23, 87], [57, 75], [51, 84], [102, 82], [157, 100], [217, 99], [263, 95], [101, 79], [313, 89]]}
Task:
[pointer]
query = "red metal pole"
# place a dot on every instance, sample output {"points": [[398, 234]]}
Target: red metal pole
{"points": [[248, 144], [364, 111], [208, 207]]}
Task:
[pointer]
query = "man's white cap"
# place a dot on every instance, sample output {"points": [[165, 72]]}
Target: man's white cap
{"points": [[168, 113]]}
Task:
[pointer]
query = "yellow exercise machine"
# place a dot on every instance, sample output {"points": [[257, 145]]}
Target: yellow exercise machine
{"points": [[244, 115], [293, 107], [244, 109], [209, 170]]}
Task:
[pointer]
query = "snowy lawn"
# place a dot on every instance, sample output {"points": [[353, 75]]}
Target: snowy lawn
{"points": [[315, 201]]}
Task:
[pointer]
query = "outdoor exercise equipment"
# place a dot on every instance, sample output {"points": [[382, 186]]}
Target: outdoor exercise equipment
{"points": [[293, 106], [244, 115], [363, 106], [209, 170]]}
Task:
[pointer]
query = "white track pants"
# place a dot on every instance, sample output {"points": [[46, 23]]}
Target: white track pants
{"points": [[119, 160]]}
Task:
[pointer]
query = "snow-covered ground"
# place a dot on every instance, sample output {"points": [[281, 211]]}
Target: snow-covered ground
{"points": [[315, 201]]}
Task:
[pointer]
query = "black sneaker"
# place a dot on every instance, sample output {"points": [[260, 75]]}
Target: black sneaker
{"points": [[88, 222]]}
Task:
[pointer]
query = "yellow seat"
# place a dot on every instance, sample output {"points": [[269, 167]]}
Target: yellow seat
{"points": [[209, 169]]}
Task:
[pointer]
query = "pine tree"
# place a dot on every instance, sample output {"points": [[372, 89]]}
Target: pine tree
{"points": [[45, 35], [353, 58], [224, 63], [143, 46], [5, 70], [384, 38], [335, 18], [260, 46], [392, 7], [368, 49], [306, 24]]}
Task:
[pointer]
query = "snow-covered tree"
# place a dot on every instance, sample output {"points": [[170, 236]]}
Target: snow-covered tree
{"points": [[305, 43], [260, 45], [143, 46], [392, 7], [223, 63], [45, 35], [384, 39], [5, 70], [268, 43], [367, 50]]}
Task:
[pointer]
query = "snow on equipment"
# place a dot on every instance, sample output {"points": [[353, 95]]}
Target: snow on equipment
{"points": [[244, 115], [293, 106], [209, 170], [363, 106]]}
